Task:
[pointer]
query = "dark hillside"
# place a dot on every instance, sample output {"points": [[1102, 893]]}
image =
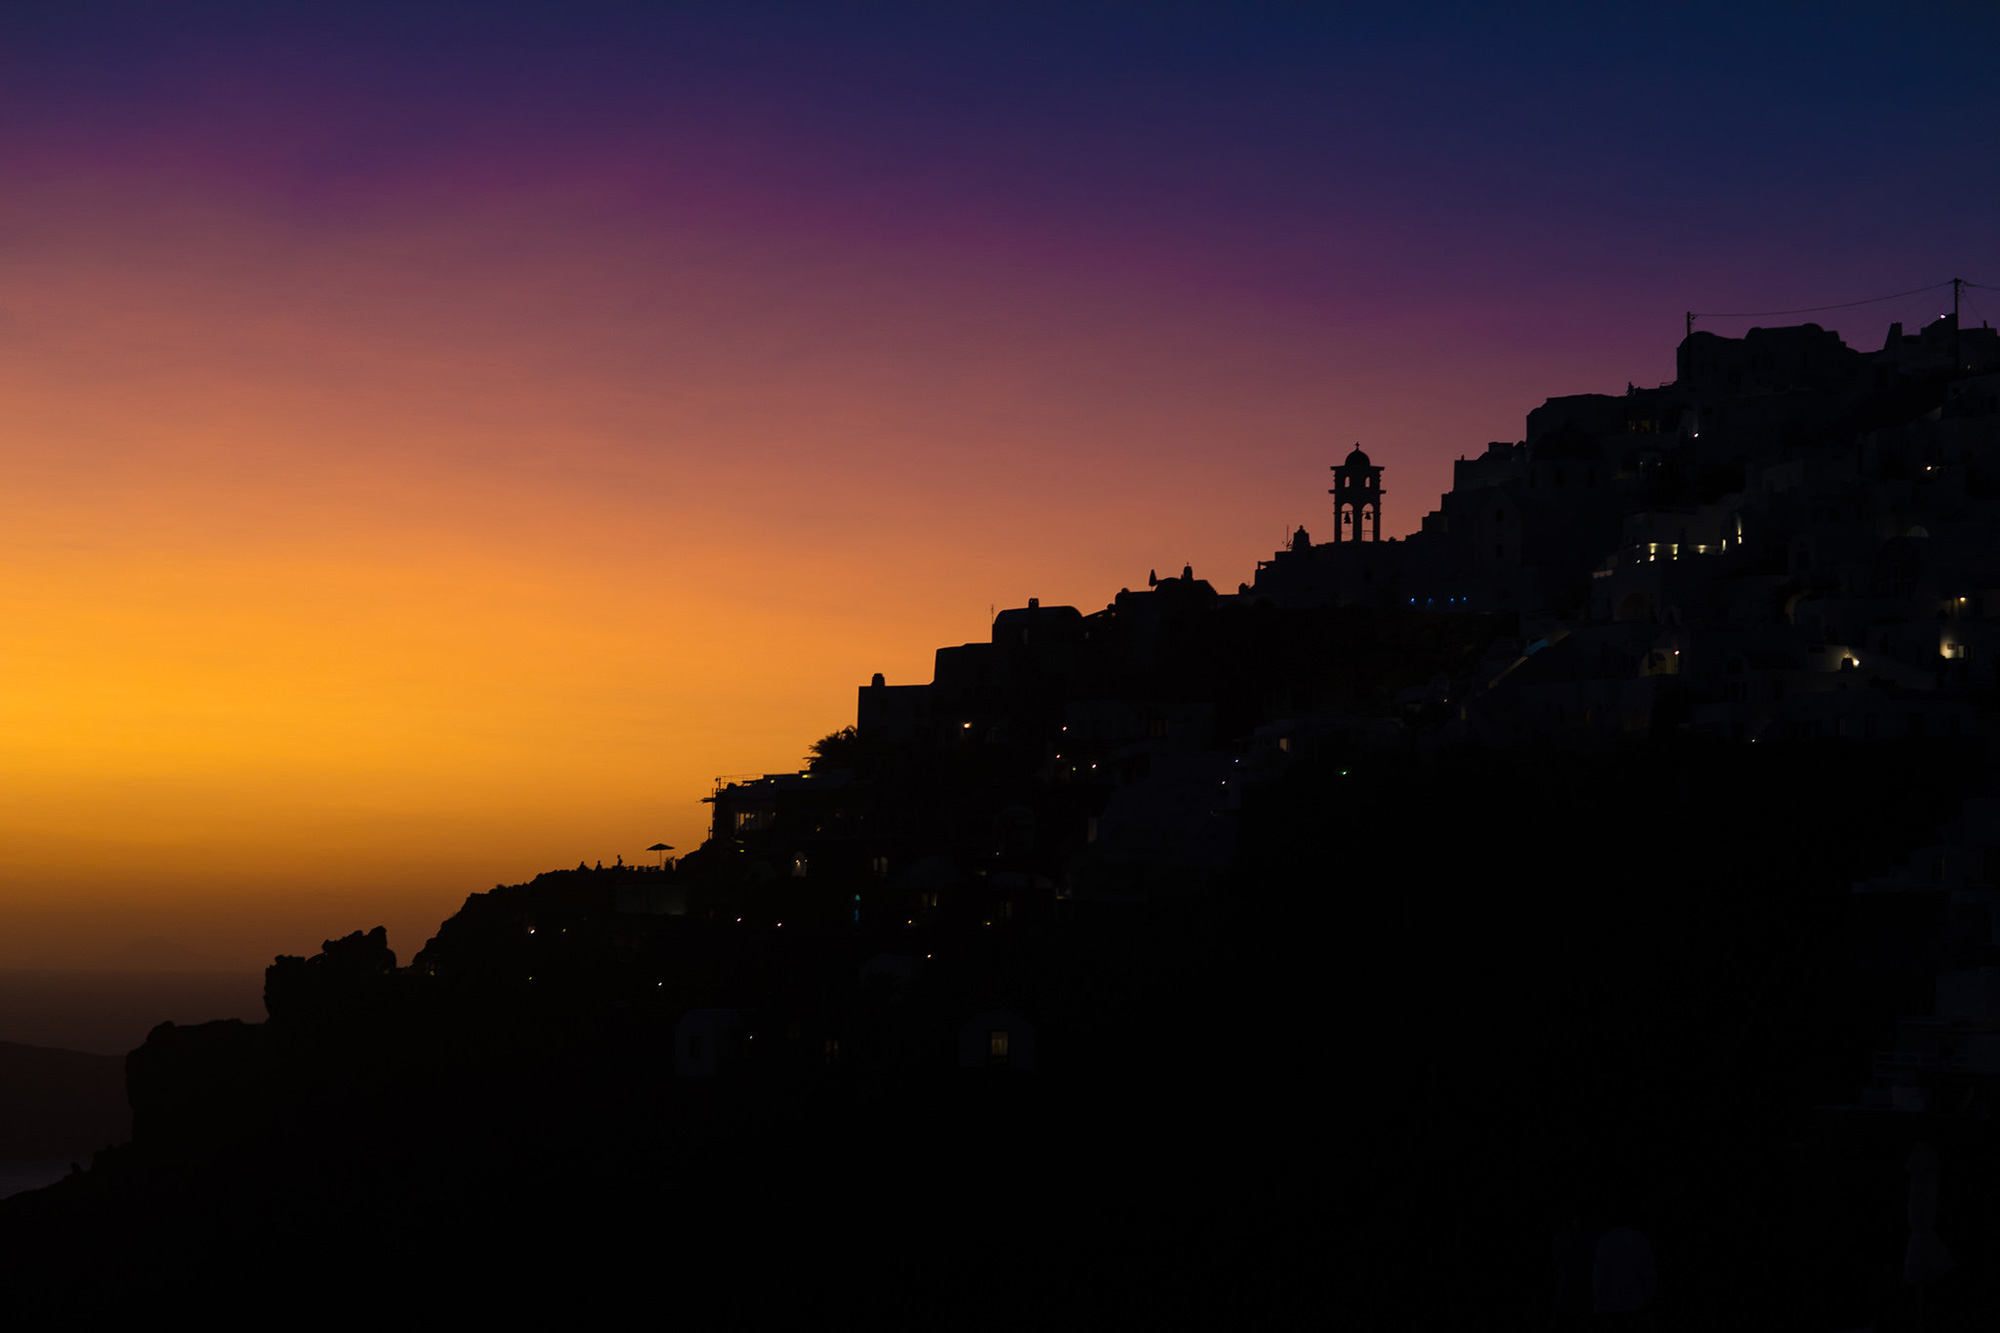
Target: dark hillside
{"points": [[56, 1103], [1435, 1003], [1626, 979]]}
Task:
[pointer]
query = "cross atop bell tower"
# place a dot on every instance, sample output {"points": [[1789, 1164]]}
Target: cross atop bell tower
{"points": [[1357, 490]]}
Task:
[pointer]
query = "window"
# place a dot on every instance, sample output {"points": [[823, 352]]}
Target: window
{"points": [[798, 867], [879, 864], [996, 1044]]}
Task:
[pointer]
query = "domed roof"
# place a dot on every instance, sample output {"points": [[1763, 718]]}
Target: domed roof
{"points": [[1357, 458]]}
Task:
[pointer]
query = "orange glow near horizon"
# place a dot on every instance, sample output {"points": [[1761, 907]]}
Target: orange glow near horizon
{"points": [[354, 572], [437, 441]]}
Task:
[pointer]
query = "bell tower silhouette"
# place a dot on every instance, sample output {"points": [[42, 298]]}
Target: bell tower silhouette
{"points": [[1357, 490]]}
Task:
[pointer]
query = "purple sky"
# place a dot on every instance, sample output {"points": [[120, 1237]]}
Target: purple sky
{"points": [[438, 443]]}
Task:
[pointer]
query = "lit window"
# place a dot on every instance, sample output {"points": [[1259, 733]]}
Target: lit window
{"points": [[798, 867], [996, 1044]]}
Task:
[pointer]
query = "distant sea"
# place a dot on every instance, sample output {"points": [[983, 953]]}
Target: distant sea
{"points": [[110, 1012]]}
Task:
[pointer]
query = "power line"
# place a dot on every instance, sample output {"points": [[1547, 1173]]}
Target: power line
{"points": [[1958, 302], [1815, 309]]}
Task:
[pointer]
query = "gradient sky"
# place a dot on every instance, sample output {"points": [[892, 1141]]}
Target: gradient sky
{"points": [[435, 445]]}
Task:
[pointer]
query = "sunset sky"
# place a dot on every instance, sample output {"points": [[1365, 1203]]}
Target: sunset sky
{"points": [[436, 446]]}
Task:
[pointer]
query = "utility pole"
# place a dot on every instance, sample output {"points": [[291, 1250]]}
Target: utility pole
{"points": [[1690, 326], [1957, 287]]}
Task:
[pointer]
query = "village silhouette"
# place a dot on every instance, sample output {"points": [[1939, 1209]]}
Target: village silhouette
{"points": [[1585, 908]]}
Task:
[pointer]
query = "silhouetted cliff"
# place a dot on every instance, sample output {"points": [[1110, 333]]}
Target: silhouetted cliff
{"points": [[1140, 958], [1497, 979]]}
